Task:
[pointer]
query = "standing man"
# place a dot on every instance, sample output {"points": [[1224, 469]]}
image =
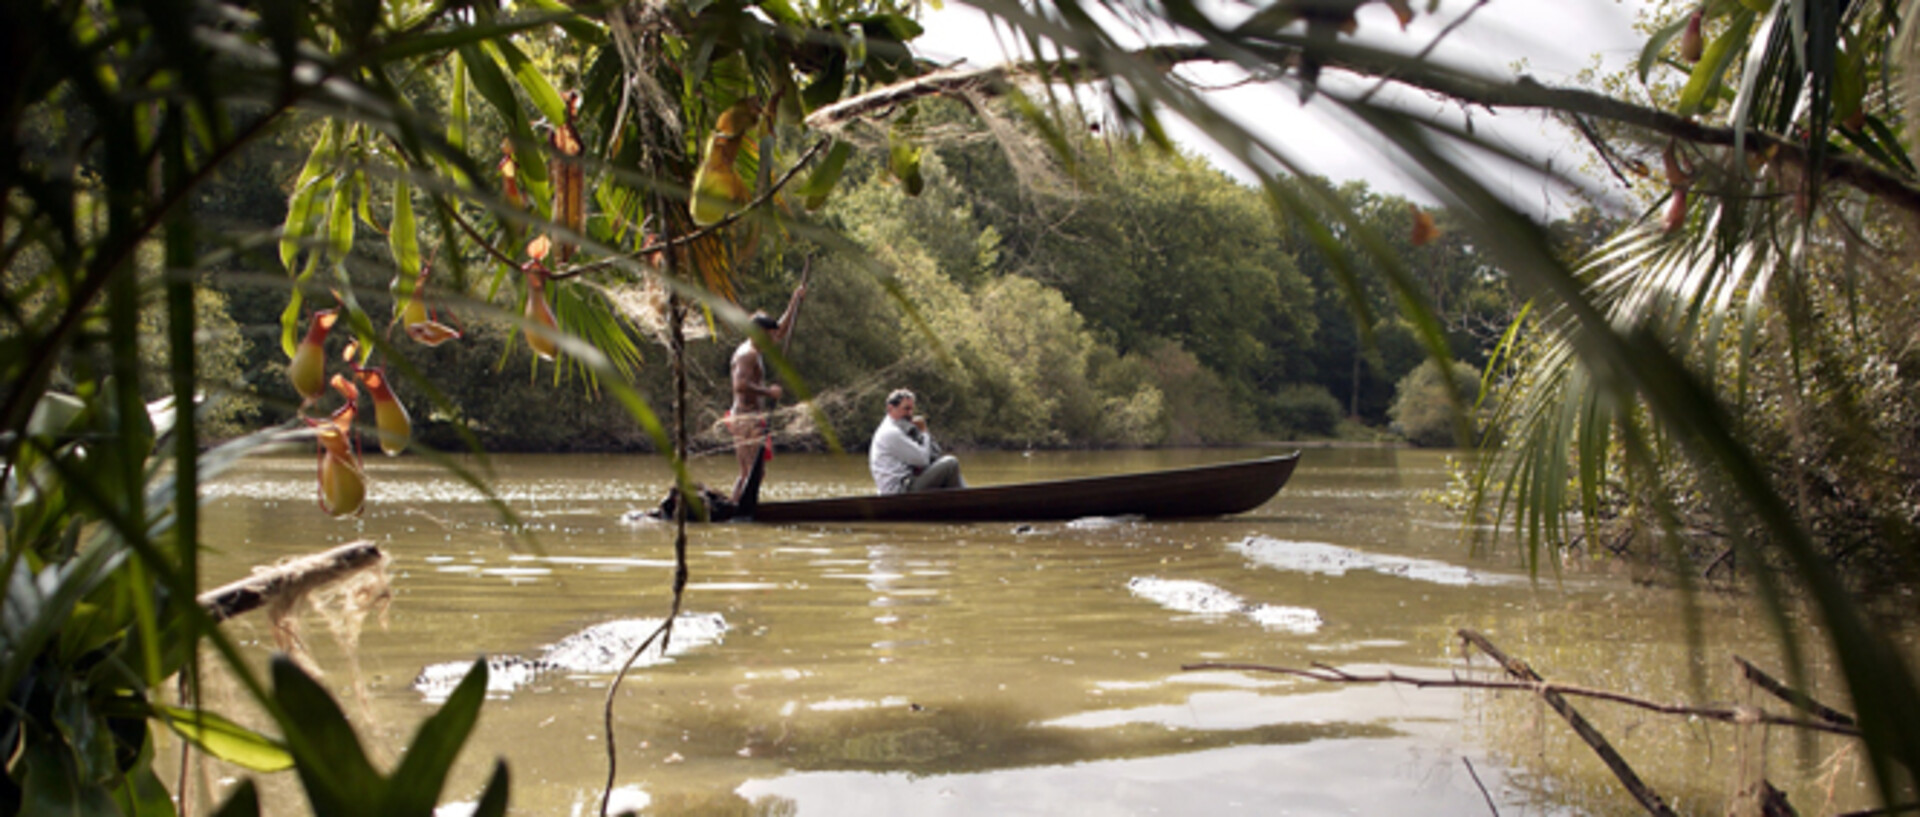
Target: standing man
{"points": [[903, 456], [753, 396]]}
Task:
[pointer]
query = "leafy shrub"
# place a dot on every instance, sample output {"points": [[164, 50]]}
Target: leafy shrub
{"points": [[1306, 409], [1421, 410], [1199, 407]]}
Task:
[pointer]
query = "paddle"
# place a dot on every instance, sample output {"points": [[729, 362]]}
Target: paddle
{"points": [[786, 341]]}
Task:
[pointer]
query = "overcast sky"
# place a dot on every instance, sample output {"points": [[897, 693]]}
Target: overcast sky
{"points": [[1555, 38]]}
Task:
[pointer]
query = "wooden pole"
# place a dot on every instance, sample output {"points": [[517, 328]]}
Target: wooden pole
{"points": [[302, 574]]}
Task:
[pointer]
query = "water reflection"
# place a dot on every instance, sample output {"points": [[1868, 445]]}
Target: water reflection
{"points": [[985, 669]]}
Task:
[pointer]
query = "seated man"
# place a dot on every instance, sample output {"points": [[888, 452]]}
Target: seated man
{"points": [[903, 456]]}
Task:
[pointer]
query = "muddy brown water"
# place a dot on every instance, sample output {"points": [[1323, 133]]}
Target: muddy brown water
{"points": [[992, 669]]}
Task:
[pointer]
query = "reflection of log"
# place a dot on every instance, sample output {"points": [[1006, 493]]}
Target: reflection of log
{"points": [[1519, 669], [299, 575]]}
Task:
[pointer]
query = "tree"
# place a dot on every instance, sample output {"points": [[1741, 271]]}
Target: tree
{"points": [[1781, 151], [115, 117], [1425, 404]]}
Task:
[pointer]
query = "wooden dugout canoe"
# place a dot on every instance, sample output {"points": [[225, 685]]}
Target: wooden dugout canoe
{"points": [[1207, 490]]}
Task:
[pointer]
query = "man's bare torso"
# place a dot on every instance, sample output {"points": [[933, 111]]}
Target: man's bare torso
{"points": [[747, 374]]}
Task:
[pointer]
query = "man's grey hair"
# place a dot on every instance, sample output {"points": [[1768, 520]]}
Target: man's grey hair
{"points": [[899, 396]]}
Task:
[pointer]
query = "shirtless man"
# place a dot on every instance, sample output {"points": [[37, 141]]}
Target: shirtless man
{"points": [[753, 396]]}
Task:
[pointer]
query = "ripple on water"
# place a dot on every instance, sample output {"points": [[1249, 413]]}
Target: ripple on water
{"points": [[1201, 598], [1334, 560], [598, 650]]}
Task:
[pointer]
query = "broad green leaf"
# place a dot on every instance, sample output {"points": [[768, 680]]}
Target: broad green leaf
{"points": [[402, 236], [538, 88], [363, 198], [829, 84], [452, 39], [1703, 84], [903, 161], [1849, 83], [826, 175], [141, 794], [340, 222], [498, 92], [1657, 45], [306, 188], [340, 781], [782, 12], [493, 800], [576, 26], [299, 225], [51, 786], [290, 328], [423, 772], [224, 739], [457, 105]]}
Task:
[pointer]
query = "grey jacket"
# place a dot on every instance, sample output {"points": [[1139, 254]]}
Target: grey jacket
{"points": [[898, 452]]}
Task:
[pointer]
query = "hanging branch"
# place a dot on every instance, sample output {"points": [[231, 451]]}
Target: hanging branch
{"points": [[664, 633], [772, 190], [786, 341], [1428, 50], [477, 239], [1521, 92]]}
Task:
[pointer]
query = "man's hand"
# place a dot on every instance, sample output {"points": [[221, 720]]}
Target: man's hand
{"points": [[920, 422], [774, 391]]}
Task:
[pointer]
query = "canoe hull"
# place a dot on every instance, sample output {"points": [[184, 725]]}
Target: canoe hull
{"points": [[1211, 490]]}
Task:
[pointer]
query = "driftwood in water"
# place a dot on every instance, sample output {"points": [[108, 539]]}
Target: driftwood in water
{"points": [[1518, 669], [1770, 801], [1734, 715], [296, 576], [1798, 699]]}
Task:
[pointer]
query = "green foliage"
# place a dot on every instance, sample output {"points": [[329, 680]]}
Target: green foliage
{"points": [[1308, 410], [341, 781], [142, 196], [1431, 410]]}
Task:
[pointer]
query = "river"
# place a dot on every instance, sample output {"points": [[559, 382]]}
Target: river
{"points": [[996, 669]]}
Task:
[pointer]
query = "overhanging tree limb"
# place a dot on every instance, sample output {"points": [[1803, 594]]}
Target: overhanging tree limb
{"points": [[1523, 92]]}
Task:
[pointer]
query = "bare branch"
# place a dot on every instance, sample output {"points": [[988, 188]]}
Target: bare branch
{"points": [[1334, 675]]}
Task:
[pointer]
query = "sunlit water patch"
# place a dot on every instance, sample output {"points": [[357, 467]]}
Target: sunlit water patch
{"points": [[1101, 522], [598, 650], [1201, 598], [1334, 560], [1374, 494]]}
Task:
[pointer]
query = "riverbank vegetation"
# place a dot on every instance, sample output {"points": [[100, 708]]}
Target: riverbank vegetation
{"points": [[1151, 300], [510, 212]]}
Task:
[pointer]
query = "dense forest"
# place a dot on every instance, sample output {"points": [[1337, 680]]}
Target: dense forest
{"points": [[1135, 298], [1731, 376]]}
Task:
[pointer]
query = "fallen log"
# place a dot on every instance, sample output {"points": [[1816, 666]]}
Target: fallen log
{"points": [[297, 576]]}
